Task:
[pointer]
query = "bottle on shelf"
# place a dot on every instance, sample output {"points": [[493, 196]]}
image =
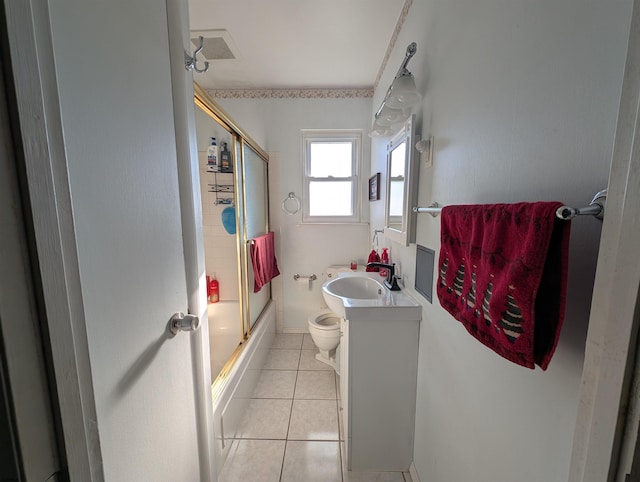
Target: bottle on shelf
{"points": [[384, 258], [225, 159], [212, 156], [213, 289]]}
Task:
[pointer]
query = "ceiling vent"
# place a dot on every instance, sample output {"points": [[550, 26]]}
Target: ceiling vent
{"points": [[217, 44]]}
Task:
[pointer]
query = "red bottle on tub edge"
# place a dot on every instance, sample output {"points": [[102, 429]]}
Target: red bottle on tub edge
{"points": [[213, 289]]}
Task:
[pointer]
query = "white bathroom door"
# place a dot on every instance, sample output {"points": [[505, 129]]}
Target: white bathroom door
{"points": [[96, 105]]}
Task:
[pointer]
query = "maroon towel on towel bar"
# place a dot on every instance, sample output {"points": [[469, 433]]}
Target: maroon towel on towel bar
{"points": [[263, 258], [503, 275]]}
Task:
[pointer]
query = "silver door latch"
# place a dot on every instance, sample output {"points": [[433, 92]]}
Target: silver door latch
{"points": [[181, 322]]}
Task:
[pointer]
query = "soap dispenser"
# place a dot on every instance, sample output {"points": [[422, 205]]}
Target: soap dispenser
{"points": [[374, 257], [384, 258]]}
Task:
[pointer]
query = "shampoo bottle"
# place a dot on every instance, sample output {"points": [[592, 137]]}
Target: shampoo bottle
{"points": [[212, 156], [225, 159], [384, 258], [214, 290]]}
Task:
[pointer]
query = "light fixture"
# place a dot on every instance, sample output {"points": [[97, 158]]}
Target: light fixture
{"points": [[380, 131], [403, 92], [389, 116], [400, 98]]}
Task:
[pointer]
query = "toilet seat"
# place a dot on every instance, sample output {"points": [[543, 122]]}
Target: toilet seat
{"points": [[325, 320], [324, 327]]}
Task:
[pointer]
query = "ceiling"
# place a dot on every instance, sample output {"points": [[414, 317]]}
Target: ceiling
{"points": [[295, 44]]}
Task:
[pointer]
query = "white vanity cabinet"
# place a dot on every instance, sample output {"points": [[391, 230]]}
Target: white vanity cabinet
{"points": [[379, 364]]}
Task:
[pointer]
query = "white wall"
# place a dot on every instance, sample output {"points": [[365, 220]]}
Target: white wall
{"points": [[302, 248], [522, 100]]}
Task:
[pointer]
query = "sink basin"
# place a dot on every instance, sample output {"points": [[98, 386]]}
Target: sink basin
{"points": [[362, 295], [358, 287], [339, 291]]}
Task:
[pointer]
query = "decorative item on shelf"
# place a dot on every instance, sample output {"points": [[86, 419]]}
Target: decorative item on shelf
{"points": [[399, 100], [374, 187]]}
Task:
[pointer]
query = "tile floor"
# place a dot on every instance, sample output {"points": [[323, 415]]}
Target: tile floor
{"points": [[291, 431]]}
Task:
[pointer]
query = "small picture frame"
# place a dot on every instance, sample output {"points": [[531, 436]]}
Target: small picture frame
{"points": [[374, 187]]}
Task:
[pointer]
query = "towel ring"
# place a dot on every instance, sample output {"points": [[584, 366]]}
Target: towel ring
{"points": [[288, 211]]}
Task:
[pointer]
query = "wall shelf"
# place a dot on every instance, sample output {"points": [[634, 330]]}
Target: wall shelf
{"points": [[221, 188]]}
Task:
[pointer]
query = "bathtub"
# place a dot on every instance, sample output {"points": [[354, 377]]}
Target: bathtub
{"points": [[224, 333], [231, 399]]}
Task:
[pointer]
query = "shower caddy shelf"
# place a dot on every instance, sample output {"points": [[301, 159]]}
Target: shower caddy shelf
{"points": [[222, 188]]}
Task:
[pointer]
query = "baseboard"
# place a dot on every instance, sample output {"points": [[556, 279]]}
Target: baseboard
{"points": [[413, 472]]}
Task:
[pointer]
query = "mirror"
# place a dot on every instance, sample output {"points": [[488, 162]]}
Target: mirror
{"points": [[402, 178]]}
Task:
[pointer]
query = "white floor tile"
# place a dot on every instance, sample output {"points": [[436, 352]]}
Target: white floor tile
{"points": [[315, 385], [278, 359], [314, 420], [308, 361], [311, 462], [275, 384], [288, 340], [307, 342], [265, 419], [253, 460]]}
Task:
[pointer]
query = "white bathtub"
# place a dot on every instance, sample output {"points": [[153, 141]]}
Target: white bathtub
{"points": [[232, 399], [224, 333]]}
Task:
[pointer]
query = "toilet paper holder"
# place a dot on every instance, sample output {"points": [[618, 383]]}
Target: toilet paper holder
{"points": [[296, 277]]}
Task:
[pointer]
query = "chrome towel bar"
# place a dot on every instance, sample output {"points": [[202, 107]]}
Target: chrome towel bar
{"points": [[595, 208]]}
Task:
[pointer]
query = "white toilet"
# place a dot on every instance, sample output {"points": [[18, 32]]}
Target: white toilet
{"points": [[324, 327]]}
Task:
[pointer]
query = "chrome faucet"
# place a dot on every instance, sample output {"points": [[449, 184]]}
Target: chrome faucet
{"points": [[392, 281]]}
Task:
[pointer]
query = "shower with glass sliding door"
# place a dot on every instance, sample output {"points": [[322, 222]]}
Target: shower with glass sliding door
{"points": [[234, 194]]}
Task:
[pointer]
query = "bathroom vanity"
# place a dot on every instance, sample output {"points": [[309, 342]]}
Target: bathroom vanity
{"points": [[379, 364]]}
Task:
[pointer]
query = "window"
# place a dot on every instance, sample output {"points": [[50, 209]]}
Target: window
{"points": [[331, 164]]}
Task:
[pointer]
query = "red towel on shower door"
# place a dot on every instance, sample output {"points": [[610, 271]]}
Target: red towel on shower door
{"points": [[263, 258], [503, 275]]}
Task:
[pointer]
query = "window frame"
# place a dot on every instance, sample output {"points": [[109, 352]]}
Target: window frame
{"points": [[310, 136]]}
